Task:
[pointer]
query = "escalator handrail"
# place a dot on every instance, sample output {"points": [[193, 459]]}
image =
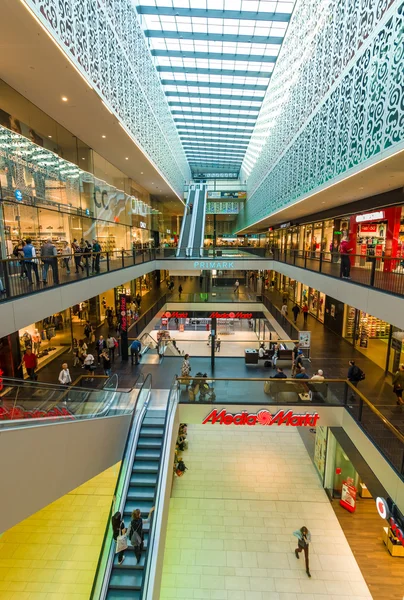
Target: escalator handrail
{"points": [[172, 403], [134, 437]]}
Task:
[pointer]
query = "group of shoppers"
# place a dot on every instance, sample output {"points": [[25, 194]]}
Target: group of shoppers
{"points": [[121, 534], [30, 259]]}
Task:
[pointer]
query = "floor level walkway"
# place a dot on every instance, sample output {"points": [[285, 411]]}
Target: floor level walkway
{"points": [[232, 516]]}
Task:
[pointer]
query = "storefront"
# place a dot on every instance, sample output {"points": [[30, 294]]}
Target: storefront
{"points": [[369, 335]]}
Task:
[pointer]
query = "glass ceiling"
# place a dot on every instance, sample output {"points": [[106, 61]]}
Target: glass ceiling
{"points": [[215, 59]]}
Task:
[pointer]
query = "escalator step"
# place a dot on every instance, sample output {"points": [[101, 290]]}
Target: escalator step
{"points": [[143, 479], [143, 505], [147, 454], [141, 494], [144, 466], [130, 560], [149, 442], [122, 595], [153, 431], [128, 580]]}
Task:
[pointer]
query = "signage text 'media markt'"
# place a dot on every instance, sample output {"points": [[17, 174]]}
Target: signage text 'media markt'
{"points": [[262, 417]]}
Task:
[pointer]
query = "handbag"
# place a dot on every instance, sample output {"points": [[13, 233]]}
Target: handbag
{"points": [[302, 544], [121, 542], [135, 539]]}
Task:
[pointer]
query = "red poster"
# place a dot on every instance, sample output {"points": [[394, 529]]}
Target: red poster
{"points": [[369, 228], [348, 496], [379, 250], [364, 249]]}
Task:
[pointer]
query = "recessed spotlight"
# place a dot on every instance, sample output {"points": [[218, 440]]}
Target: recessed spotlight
{"points": [[64, 99], [126, 158], [104, 136], [141, 172], [83, 158], [361, 188], [49, 136]]}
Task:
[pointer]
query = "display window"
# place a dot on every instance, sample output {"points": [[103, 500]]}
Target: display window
{"points": [[368, 334], [48, 338]]}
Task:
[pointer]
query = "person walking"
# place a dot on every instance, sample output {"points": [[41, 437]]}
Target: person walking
{"points": [[303, 540], [236, 286], [136, 531], [398, 384], [284, 310], [299, 361], [66, 253], [118, 529], [180, 290], [344, 250], [135, 349], [138, 300], [30, 362], [100, 346], [77, 254], [109, 313], [305, 311], [49, 259], [95, 267], [88, 365], [296, 312], [30, 261], [106, 362], [64, 375], [355, 374], [18, 252], [186, 369], [218, 344], [111, 345], [295, 352]]}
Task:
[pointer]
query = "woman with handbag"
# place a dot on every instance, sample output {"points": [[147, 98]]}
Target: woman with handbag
{"points": [[398, 384], [119, 534], [136, 531], [303, 539]]}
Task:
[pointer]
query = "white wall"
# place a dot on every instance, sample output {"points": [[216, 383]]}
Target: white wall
{"points": [[40, 464]]}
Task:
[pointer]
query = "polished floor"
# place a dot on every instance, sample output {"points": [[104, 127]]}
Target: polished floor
{"points": [[232, 516]]}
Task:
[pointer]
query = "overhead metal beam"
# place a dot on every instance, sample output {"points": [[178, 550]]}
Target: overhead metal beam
{"points": [[240, 15], [203, 71], [237, 107], [213, 37], [205, 133], [228, 153], [216, 96], [215, 84], [256, 58], [213, 145], [236, 135], [226, 115], [215, 122]]}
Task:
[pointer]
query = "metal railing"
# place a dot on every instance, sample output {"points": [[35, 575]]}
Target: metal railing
{"points": [[307, 392]]}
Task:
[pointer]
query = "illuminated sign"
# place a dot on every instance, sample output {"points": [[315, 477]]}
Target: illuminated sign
{"points": [[262, 417], [122, 310], [142, 225], [176, 315], [231, 315], [214, 264], [384, 512], [375, 216], [18, 195], [285, 225], [168, 230], [1, 379]]}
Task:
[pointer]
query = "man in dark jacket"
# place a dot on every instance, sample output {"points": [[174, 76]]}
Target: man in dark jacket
{"points": [[295, 311], [49, 259], [135, 349], [96, 256], [355, 374], [279, 374]]}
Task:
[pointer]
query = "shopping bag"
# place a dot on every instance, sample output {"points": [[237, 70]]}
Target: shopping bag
{"points": [[121, 543]]}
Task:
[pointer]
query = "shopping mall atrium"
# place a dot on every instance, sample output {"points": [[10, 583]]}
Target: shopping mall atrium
{"points": [[201, 299]]}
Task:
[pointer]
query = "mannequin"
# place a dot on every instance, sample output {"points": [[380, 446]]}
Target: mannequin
{"points": [[36, 339]]}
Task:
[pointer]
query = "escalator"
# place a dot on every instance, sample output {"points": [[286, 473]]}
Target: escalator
{"points": [[199, 228], [127, 579], [183, 244], [142, 481]]}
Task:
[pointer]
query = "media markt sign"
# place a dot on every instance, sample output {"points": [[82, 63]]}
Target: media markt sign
{"points": [[262, 417]]}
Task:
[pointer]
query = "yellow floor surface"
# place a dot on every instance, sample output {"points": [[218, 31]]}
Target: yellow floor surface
{"points": [[53, 554]]}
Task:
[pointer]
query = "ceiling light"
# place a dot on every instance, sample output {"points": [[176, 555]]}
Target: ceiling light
{"points": [[83, 158], [126, 158], [49, 136], [104, 136], [141, 172], [64, 99]]}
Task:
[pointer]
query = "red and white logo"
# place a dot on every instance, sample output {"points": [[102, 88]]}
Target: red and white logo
{"points": [[382, 508], [262, 417]]}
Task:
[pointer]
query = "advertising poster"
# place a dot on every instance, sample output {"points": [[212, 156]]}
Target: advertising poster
{"points": [[320, 450], [348, 495], [304, 339]]}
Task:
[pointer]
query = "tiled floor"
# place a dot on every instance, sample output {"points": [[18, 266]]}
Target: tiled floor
{"points": [[53, 554], [232, 516]]}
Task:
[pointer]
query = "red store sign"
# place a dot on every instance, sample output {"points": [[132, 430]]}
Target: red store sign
{"points": [[122, 310], [176, 315], [262, 417], [230, 315], [384, 512]]}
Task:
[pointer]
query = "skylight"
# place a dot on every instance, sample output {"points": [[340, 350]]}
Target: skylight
{"points": [[215, 59]]}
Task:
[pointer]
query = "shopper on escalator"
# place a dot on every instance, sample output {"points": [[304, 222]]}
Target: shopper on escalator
{"points": [[136, 531], [118, 529]]}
